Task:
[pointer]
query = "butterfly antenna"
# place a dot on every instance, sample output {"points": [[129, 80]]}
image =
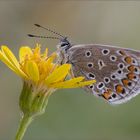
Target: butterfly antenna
{"points": [[37, 36], [37, 25]]}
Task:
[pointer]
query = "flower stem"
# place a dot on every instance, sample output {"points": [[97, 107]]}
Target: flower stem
{"points": [[25, 121]]}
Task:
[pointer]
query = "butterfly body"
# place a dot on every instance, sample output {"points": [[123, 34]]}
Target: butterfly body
{"points": [[116, 70]]}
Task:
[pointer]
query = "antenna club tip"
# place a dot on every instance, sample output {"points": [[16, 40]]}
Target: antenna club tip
{"points": [[30, 35], [37, 25]]}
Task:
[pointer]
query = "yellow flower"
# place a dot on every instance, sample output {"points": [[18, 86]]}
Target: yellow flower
{"points": [[41, 77], [39, 70]]}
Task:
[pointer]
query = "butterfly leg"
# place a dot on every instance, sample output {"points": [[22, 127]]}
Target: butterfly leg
{"points": [[71, 74]]}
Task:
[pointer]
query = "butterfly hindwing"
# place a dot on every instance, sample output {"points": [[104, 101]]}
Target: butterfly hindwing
{"points": [[116, 70]]}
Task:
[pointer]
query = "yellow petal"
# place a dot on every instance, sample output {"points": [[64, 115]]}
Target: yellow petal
{"points": [[75, 85], [45, 54], [6, 61], [67, 83], [37, 49], [10, 56], [49, 65], [23, 52], [38, 45], [58, 74], [85, 83], [32, 70]]}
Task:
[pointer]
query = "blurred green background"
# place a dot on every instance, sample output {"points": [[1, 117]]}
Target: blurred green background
{"points": [[71, 114]]}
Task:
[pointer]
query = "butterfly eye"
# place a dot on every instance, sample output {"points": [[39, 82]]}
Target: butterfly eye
{"points": [[64, 44]]}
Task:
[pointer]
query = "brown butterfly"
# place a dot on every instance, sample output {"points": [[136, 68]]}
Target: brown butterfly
{"points": [[116, 70]]}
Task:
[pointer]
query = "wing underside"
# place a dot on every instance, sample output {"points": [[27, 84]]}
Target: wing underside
{"points": [[116, 70]]}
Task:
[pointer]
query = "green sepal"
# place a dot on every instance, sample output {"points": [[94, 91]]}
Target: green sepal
{"points": [[33, 102]]}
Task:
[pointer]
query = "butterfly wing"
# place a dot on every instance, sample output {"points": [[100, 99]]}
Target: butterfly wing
{"points": [[116, 70]]}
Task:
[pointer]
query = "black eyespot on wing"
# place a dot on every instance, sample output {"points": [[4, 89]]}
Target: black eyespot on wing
{"points": [[119, 72], [105, 51], [100, 85], [136, 69], [90, 65], [106, 80], [134, 61], [113, 76], [113, 58], [91, 76], [121, 65], [91, 86], [129, 84], [114, 95], [135, 77], [88, 53], [123, 91], [101, 62]]}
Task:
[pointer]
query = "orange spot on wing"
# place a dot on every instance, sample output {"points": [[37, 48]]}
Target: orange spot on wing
{"points": [[107, 94], [131, 68], [122, 52], [125, 82], [131, 76], [128, 60], [119, 88]]}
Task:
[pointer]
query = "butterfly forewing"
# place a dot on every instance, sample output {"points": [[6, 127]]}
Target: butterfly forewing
{"points": [[116, 70]]}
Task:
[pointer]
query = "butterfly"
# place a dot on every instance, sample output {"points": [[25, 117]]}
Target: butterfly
{"points": [[116, 70]]}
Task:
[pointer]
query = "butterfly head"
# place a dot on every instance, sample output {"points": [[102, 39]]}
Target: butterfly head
{"points": [[64, 44]]}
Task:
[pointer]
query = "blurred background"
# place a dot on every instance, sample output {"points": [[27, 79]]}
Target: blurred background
{"points": [[71, 114]]}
